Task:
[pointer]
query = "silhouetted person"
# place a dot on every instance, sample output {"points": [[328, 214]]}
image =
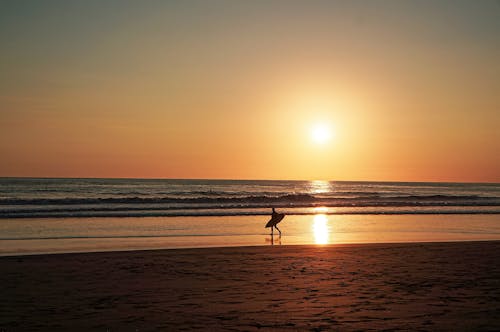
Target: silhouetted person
{"points": [[275, 219]]}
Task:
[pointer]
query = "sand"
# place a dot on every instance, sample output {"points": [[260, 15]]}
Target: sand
{"points": [[432, 286]]}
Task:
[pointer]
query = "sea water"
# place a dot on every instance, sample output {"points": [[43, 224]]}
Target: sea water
{"points": [[63, 215]]}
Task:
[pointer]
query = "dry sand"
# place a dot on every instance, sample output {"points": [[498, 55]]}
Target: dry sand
{"points": [[439, 286]]}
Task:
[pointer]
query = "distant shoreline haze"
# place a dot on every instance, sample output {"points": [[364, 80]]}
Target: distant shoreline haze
{"points": [[234, 179]]}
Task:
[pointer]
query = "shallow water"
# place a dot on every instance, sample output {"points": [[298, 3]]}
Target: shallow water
{"points": [[44, 235]]}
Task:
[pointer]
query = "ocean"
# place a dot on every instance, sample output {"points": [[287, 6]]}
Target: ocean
{"points": [[65, 215], [56, 198]]}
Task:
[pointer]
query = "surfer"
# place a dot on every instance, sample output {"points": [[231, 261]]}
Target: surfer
{"points": [[275, 219]]}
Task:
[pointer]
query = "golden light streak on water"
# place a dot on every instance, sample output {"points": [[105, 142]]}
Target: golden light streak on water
{"points": [[320, 229]]}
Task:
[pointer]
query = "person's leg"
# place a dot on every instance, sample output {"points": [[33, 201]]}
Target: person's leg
{"points": [[277, 229]]}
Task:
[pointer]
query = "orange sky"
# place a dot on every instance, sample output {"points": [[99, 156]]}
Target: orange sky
{"points": [[229, 89]]}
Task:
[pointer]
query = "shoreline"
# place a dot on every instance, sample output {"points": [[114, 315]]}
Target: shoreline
{"points": [[353, 244], [430, 210], [409, 286]]}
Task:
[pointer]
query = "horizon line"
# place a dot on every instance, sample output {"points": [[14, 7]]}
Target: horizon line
{"points": [[229, 179]]}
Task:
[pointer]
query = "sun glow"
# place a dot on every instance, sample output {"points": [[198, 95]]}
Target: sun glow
{"points": [[321, 133]]}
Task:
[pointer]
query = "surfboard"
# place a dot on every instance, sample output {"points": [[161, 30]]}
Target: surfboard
{"points": [[275, 219]]}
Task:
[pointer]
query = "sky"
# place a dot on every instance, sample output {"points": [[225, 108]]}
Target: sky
{"points": [[404, 90]]}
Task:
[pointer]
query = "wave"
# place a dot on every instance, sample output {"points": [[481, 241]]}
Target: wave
{"points": [[229, 205], [288, 198], [232, 213]]}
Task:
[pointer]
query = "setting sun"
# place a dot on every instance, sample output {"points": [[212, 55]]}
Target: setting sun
{"points": [[321, 133]]}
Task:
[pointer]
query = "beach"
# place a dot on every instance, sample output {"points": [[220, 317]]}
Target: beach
{"points": [[249, 166], [409, 286]]}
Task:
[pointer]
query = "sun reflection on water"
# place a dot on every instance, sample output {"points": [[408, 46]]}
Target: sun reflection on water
{"points": [[320, 229], [320, 187]]}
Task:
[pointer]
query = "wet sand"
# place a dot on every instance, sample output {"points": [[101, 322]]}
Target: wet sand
{"points": [[419, 286]]}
